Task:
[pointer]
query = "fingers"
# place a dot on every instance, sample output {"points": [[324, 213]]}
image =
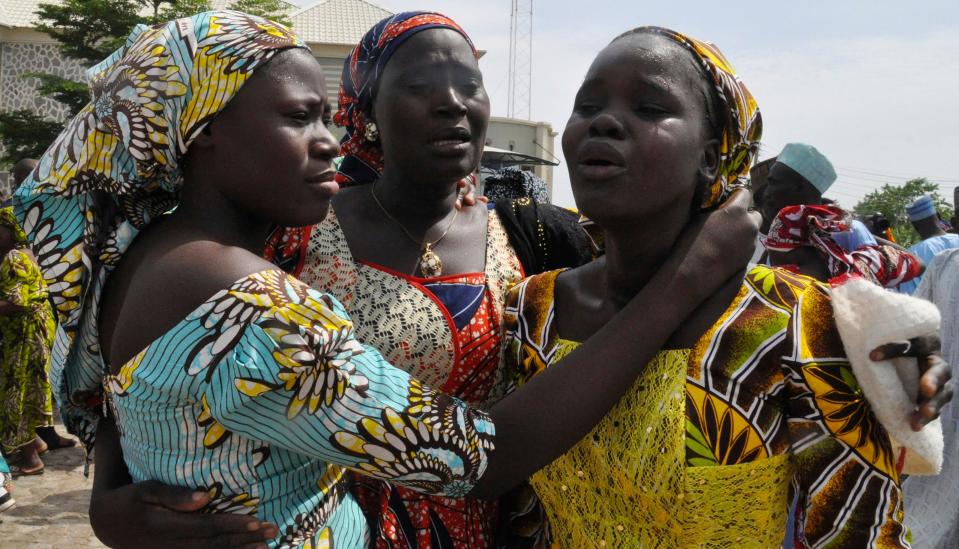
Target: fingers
{"points": [[892, 350], [929, 344], [255, 539], [739, 199], [937, 374], [939, 378], [235, 529], [174, 498], [918, 346], [931, 410]]}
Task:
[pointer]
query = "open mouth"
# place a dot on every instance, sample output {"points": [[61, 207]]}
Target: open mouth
{"points": [[322, 177], [597, 162], [451, 137], [448, 142]]}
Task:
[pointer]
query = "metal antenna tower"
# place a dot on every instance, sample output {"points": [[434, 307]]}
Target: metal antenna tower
{"points": [[520, 59]]}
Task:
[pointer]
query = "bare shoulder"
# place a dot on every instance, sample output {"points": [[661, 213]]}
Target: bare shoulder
{"points": [[204, 266], [160, 282]]}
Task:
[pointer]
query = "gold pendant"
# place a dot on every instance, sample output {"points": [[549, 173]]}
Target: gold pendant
{"points": [[430, 264]]}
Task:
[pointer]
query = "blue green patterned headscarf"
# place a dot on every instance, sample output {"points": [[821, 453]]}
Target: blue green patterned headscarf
{"points": [[117, 163]]}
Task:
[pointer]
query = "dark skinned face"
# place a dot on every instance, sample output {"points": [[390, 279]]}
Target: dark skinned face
{"points": [[431, 108], [638, 141], [785, 187], [269, 150]]}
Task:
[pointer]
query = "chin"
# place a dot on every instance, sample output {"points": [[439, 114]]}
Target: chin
{"points": [[444, 173], [594, 201], [306, 216]]}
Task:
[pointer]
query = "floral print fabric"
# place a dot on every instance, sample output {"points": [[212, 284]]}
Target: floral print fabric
{"points": [[766, 393], [267, 376], [25, 340], [445, 332], [116, 166]]}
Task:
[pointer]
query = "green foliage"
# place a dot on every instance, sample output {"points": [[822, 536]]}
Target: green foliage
{"points": [[26, 135], [274, 10], [182, 8], [89, 30], [891, 202], [71, 93]]}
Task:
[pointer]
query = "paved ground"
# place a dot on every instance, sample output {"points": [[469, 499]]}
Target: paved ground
{"points": [[51, 509]]}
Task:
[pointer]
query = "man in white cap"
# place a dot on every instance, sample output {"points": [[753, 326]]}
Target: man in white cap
{"points": [[933, 501], [800, 176], [922, 213]]}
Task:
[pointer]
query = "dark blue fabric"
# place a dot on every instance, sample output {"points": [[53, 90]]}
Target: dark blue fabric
{"points": [[461, 300]]}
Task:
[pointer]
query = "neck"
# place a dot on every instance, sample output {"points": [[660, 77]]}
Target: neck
{"points": [[929, 230], [634, 252], [418, 206], [204, 214]]}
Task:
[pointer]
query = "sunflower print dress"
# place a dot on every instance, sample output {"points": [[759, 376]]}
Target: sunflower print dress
{"points": [[713, 441], [26, 401], [263, 397]]}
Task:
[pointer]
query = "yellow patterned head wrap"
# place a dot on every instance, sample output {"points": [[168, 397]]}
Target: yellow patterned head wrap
{"points": [[741, 126]]}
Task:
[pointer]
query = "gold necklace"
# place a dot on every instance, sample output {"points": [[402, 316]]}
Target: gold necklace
{"points": [[429, 263]]}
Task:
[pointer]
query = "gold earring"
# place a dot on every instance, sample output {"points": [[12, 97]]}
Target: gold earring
{"points": [[371, 132]]}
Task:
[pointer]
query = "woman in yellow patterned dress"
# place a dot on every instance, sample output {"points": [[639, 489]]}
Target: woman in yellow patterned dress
{"points": [[26, 334], [752, 400]]}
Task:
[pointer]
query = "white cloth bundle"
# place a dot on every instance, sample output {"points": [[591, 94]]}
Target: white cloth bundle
{"points": [[867, 317]]}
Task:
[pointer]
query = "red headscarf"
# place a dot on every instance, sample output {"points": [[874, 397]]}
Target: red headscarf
{"points": [[813, 226]]}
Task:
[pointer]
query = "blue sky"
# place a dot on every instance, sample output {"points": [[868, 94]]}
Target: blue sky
{"points": [[874, 85]]}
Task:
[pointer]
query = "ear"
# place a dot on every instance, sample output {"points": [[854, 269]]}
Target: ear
{"points": [[709, 166]]}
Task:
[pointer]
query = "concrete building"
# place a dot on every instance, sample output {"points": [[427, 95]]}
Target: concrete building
{"points": [[533, 141], [330, 27]]}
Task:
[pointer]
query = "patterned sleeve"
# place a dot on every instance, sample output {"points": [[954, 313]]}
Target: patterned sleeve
{"points": [[846, 476], [297, 378], [523, 520]]}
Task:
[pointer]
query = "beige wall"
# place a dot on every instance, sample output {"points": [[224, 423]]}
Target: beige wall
{"points": [[532, 138]]}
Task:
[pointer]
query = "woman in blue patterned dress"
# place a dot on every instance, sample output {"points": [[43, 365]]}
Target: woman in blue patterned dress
{"points": [[235, 378]]}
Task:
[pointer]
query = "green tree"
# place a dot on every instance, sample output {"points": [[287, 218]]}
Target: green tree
{"points": [[181, 8], [274, 10], [25, 135], [891, 202], [86, 31]]}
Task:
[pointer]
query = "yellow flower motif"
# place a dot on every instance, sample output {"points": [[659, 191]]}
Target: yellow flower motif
{"points": [[120, 383], [216, 434], [236, 504]]}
